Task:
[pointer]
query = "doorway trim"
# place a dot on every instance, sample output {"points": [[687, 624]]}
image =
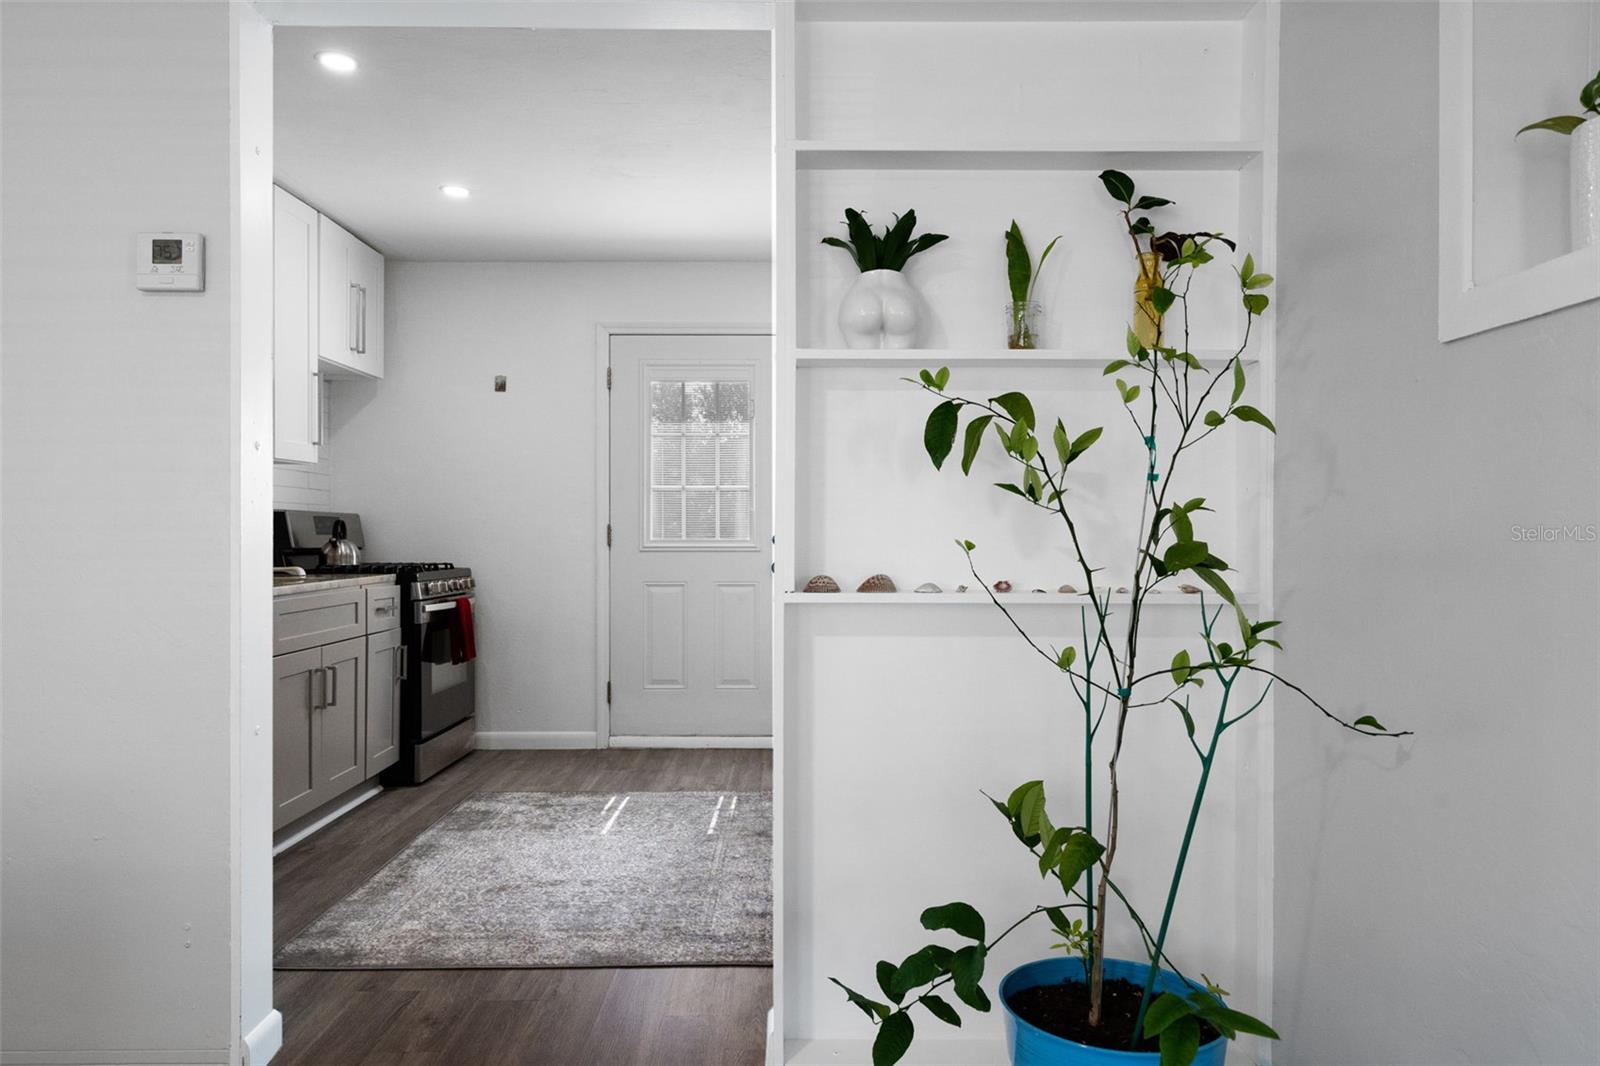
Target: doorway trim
{"points": [[602, 519]]}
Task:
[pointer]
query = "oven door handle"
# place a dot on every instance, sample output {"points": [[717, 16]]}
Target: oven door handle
{"points": [[425, 609]]}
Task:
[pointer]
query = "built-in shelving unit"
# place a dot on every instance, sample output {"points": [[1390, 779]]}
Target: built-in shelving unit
{"points": [[975, 113]]}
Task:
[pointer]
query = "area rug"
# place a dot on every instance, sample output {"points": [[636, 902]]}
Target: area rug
{"points": [[547, 879]]}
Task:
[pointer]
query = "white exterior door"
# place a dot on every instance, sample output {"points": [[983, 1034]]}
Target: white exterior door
{"points": [[691, 527]]}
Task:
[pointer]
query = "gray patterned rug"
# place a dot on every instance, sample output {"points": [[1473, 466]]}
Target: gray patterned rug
{"points": [[539, 879]]}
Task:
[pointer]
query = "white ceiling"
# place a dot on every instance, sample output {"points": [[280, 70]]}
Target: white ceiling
{"points": [[576, 144]]}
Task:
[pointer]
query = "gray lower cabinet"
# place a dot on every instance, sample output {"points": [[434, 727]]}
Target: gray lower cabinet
{"points": [[319, 726], [385, 668]]}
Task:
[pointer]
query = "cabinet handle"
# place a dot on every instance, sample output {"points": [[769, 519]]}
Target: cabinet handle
{"points": [[352, 320], [330, 688], [361, 346], [320, 678], [400, 663], [316, 407]]}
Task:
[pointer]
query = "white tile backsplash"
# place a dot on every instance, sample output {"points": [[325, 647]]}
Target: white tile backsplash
{"points": [[307, 486]]}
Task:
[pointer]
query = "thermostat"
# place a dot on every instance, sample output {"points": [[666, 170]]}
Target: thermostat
{"points": [[170, 262]]}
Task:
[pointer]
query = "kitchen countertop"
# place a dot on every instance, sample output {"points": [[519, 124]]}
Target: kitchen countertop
{"points": [[284, 586]]}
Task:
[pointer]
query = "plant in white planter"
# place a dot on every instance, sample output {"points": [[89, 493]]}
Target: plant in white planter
{"points": [[1584, 183], [1084, 1007], [880, 309]]}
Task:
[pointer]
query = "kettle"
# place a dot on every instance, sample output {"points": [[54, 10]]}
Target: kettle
{"points": [[340, 550]]}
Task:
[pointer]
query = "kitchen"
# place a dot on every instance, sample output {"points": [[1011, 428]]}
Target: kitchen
{"points": [[440, 526]]}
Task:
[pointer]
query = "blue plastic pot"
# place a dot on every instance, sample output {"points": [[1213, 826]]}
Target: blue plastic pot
{"points": [[1032, 1046]]}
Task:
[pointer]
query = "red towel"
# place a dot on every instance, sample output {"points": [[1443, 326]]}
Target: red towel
{"points": [[463, 641]]}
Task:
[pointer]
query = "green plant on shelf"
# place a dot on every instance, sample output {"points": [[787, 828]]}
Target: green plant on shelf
{"points": [[889, 251], [1023, 275], [1588, 100], [1207, 689]]}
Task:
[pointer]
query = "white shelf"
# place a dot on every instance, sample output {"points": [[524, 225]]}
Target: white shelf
{"points": [[1023, 10], [979, 599], [1131, 155], [934, 358]]}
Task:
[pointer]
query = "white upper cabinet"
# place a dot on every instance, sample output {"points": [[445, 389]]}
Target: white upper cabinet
{"points": [[351, 333], [296, 403]]}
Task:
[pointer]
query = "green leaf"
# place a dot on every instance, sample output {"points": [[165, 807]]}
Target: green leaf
{"points": [[1179, 1042], [894, 1039], [837, 243], [1238, 381], [1015, 489], [1185, 554], [968, 546], [1018, 406], [1370, 722], [918, 969], [1182, 528], [1166, 1009], [1077, 855], [1162, 299], [1019, 266], [871, 1008], [1248, 268], [1031, 485], [1118, 184], [941, 378], [1216, 581], [1180, 670], [1188, 719], [1556, 124], [967, 969], [969, 449], [1068, 656], [1018, 794], [1255, 302], [863, 239], [926, 378], [1213, 419], [960, 918], [1589, 95], [1082, 442], [1031, 813], [1063, 443], [1114, 366], [1245, 413], [1257, 281], [1145, 203], [1042, 257], [941, 1010], [939, 436], [1135, 349], [896, 239], [1226, 1017], [885, 975]]}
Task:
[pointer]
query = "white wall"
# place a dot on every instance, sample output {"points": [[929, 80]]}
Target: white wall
{"points": [[440, 466], [1435, 899], [120, 688]]}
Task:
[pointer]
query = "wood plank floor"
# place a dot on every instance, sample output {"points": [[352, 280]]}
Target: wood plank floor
{"points": [[702, 1016]]}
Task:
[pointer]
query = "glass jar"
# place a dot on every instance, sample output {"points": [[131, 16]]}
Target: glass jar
{"points": [[1023, 322], [1146, 319]]}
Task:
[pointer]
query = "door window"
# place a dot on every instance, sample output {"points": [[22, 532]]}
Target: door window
{"points": [[700, 447]]}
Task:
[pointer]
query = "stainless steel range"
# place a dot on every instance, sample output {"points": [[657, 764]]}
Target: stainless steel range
{"points": [[438, 638]]}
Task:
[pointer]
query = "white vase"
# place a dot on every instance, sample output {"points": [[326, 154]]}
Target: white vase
{"points": [[1585, 184], [879, 311]]}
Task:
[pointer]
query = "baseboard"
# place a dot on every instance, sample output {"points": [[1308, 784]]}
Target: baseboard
{"points": [[115, 1058], [264, 1041], [691, 742], [326, 816], [534, 739], [923, 1053]]}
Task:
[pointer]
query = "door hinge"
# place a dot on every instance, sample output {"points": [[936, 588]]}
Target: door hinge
{"points": [[608, 534], [608, 693], [608, 377]]}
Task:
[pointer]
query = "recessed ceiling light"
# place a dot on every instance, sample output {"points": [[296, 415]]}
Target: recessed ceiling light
{"points": [[455, 192], [337, 62]]}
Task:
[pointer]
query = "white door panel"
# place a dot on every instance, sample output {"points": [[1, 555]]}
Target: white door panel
{"points": [[691, 515]]}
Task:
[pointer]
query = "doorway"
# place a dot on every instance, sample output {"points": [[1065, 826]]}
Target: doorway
{"points": [[690, 536]]}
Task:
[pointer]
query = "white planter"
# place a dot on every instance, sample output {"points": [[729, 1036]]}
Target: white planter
{"points": [[1585, 184], [879, 311]]}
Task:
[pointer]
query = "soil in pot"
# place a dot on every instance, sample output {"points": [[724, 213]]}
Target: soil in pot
{"points": [[1063, 1010]]}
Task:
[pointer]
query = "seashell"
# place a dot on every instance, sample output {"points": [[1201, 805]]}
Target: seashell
{"points": [[929, 586], [1190, 589], [1036, 590], [1122, 588], [877, 583], [961, 588], [1067, 589], [1002, 585], [822, 583]]}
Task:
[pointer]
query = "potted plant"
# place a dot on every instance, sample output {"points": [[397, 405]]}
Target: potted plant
{"points": [[1024, 315], [1584, 161], [880, 310], [1084, 1007]]}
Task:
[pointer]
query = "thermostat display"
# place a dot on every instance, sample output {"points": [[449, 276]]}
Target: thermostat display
{"points": [[170, 262]]}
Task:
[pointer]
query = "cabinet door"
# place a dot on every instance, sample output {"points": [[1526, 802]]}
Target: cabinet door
{"points": [[296, 403], [341, 744], [339, 303], [296, 699], [385, 666]]}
